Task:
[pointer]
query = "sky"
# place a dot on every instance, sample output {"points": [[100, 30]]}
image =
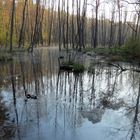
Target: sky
{"points": [[105, 7]]}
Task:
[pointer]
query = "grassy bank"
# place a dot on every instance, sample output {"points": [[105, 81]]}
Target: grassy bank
{"points": [[114, 54], [130, 52]]}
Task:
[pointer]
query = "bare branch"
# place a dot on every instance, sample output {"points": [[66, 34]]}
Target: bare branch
{"points": [[131, 2]]}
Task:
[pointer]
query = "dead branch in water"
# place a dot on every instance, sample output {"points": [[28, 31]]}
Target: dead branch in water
{"points": [[124, 69]]}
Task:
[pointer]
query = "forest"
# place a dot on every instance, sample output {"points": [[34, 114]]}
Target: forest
{"points": [[69, 69], [69, 24]]}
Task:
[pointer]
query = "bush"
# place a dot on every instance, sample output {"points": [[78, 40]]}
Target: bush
{"points": [[72, 66], [132, 46], [78, 68]]}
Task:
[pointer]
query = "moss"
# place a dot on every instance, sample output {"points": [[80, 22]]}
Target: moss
{"points": [[78, 68], [72, 66]]}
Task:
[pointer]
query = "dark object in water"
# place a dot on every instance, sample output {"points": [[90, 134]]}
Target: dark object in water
{"points": [[105, 102], [29, 96], [66, 67], [61, 57]]}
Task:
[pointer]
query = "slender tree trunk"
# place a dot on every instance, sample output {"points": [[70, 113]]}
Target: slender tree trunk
{"points": [[12, 26], [83, 38], [96, 24], [79, 41], [63, 23], [35, 31], [111, 28], [72, 30], [23, 24], [51, 23], [59, 22], [67, 32], [120, 25]]}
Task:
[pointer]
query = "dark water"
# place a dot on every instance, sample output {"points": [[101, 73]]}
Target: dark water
{"points": [[102, 104]]}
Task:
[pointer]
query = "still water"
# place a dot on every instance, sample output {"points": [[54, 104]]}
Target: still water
{"points": [[39, 102]]}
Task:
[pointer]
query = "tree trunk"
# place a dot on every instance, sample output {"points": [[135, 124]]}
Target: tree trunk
{"points": [[12, 26], [22, 26]]}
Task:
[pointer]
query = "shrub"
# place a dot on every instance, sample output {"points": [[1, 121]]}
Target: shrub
{"points": [[132, 46], [78, 68]]}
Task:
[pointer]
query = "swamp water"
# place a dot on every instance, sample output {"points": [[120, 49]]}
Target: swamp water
{"points": [[102, 104]]}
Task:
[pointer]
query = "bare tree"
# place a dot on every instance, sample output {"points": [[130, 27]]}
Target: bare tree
{"points": [[96, 23], [22, 25], [111, 26], [51, 22], [12, 26], [59, 22], [120, 24], [34, 39]]}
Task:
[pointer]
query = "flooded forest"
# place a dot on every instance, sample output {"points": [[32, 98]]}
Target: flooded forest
{"points": [[69, 70]]}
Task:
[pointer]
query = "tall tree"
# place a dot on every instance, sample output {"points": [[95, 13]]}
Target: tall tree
{"points": [[22, 24], [35, 38], [12, 26], [111, 38], [120, 24], [96, 23]]}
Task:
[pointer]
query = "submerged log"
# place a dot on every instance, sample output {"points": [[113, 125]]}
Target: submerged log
{"points": [[66, 67]]}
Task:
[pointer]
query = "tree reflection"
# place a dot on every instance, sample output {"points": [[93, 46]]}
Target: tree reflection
{"points": [[135, 124], [65, 101]]}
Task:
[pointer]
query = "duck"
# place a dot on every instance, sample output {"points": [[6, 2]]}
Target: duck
{"points": [[29, 96]]}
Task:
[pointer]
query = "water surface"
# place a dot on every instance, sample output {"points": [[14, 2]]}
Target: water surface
{"points": [[102, 104]]}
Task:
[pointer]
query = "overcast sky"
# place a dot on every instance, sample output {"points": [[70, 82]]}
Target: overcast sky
{"points": [[105, 7]]}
